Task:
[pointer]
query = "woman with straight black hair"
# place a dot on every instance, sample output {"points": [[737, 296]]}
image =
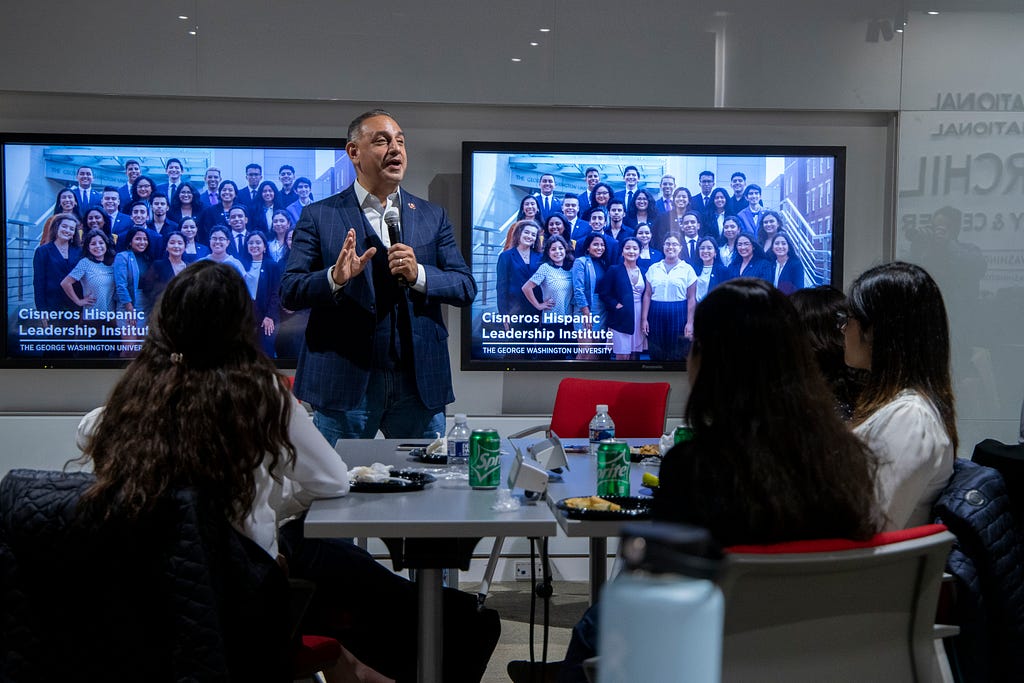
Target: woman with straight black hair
{"points": [[898, 331], [601, 195], [715, 212], [643, 209], [822, 311], [184, 204], [769, 461]]}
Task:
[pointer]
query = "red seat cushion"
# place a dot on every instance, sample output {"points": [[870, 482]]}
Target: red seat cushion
{"points": [[826, 545], [316, 653]]}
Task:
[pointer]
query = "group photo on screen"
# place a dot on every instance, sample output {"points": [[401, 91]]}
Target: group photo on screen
{"points": [[602, 256], [95, 229]]}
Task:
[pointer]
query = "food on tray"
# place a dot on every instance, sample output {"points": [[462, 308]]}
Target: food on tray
{"points": [[649, 449], [592, 503], [375, 473]]}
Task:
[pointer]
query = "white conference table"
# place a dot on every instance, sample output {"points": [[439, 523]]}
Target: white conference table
{"points": [[428, 530], [581, 480]]}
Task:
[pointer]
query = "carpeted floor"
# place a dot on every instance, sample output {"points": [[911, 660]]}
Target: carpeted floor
{"points": [[512, 600]]}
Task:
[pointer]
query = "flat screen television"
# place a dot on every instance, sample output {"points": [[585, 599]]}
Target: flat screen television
{"points": [[45, 329], [802, 187]]}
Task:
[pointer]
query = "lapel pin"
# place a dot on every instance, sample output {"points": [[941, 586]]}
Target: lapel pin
{"points": [[412, 206]]}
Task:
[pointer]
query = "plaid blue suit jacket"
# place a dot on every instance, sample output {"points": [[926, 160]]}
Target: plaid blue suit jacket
{"points": [[337, 358]]}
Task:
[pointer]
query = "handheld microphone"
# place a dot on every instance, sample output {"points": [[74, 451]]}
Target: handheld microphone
{"points": [[391, 219]]}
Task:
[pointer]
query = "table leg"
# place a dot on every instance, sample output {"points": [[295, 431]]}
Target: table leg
{"points": [[598, 566], [429, 635]]}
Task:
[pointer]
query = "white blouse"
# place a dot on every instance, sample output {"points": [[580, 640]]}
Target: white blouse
{"points": [[915, 457]]}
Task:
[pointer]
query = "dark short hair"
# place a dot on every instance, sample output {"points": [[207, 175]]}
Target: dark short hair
{"points": [[355, 128], [254, 165], [592, 168], [703, 174], [631, 168], [286, 166], [303, 180], [129, 162], [570, 195], [750, 188], [173, 160], [738, 174]]}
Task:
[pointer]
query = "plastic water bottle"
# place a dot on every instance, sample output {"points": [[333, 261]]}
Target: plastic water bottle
{"points": [[661, 619], [458, 442], [601, 427]]}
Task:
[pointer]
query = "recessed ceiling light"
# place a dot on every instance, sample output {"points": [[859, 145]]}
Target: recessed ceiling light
{"points": [[932, 12], [899, 30], [191, 33], [545, 30], [516, 59], [182, 17], [534, 44]]}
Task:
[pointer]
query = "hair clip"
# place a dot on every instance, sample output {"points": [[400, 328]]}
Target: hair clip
{"points": [[177, 358]]}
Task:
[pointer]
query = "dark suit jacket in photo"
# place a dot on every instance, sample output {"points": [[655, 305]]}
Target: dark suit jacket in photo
{"points": [[759, 267], [512, 274], [242, 255], [125, 193], [556, 206], [614, 289], [700, 203], [735, 205], [87, 198], [792, 276], [582, 229], [247, 196], [49, 268], [338, 355], [267, 303], [208, 199]]}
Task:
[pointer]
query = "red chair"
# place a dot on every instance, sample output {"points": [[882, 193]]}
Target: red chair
{"points": [[314, 655], [637, 408], [836, 610]]}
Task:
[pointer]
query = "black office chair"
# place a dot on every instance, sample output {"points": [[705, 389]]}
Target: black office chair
{"points": [[177, 595]]}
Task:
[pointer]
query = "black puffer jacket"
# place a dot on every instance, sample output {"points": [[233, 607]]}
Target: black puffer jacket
{"points": [[987, 561], [177, 596]]}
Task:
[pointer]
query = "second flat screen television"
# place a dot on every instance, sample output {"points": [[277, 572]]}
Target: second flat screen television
{"points": [[574, 318]]}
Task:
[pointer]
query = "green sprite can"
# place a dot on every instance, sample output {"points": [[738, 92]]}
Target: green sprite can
{"points": [[613, 468], [484, 459], [683, 432]]}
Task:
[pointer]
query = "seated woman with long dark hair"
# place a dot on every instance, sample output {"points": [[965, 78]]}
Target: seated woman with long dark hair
{"points": [[164, 427], [822, 310], [898, 331], [260, 462], [770, 460]]}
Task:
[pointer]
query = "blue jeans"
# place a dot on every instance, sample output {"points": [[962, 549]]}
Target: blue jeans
{"points": [[391, 404]]}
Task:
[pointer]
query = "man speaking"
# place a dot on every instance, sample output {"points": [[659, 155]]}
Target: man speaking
{"points": [[374, 263]]}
